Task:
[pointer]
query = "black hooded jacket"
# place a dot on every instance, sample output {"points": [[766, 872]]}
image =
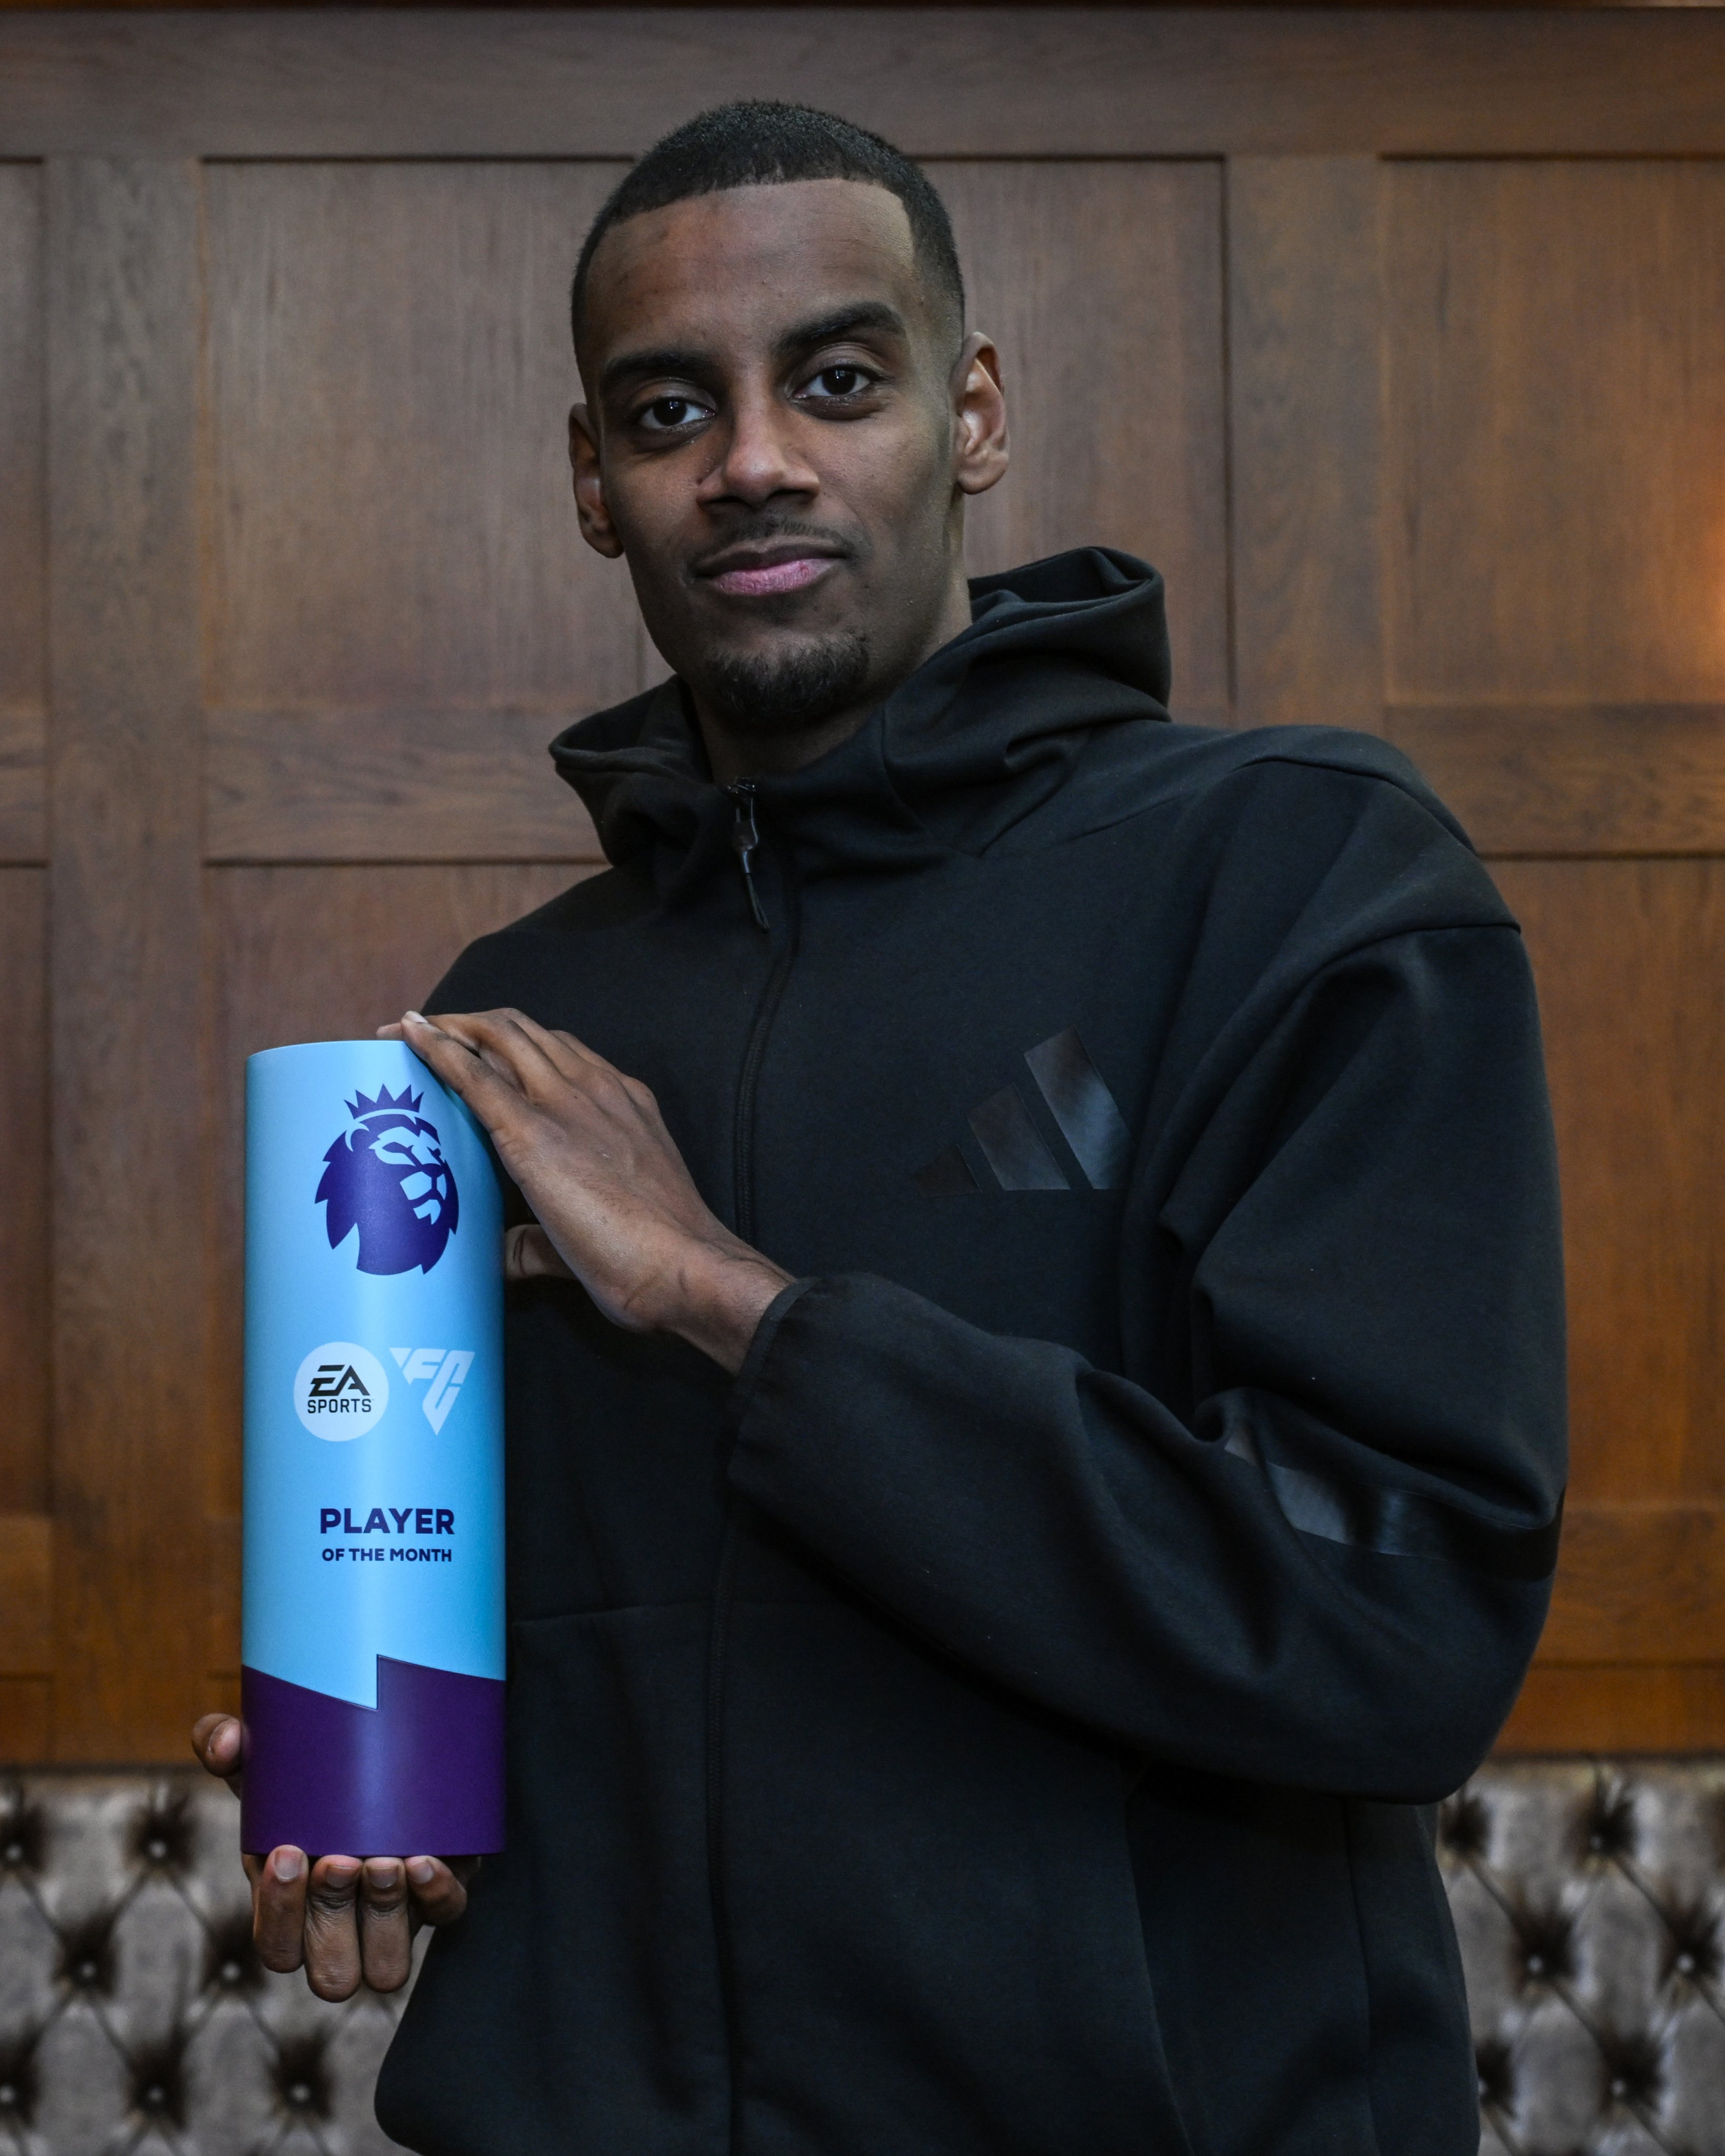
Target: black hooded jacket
{"points": [[1000, 1722]]}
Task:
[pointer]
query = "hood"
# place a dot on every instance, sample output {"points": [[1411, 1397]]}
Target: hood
{"points": [[1061, 658]]}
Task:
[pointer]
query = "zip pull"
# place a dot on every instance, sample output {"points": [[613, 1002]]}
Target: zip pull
{"points": [[746, 838]]}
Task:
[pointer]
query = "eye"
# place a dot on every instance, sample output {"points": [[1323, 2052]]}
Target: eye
{"points": [[666, 414], [842, 380]]}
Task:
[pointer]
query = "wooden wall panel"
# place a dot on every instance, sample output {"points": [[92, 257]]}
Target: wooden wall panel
{"points": [[399, 609], [942, 81], [128, 1314], [1556, 404], [1394, 341], [23, 530], [1102, 285], [311, 954], [1629, 956], [25, 1477], [1304, 339], [1630, 961]]}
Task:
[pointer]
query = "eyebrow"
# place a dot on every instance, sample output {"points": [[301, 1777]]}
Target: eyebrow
{"points": [[691, 364]]}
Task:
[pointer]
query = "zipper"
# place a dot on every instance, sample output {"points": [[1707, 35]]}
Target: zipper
{"points": [[747, 839]]}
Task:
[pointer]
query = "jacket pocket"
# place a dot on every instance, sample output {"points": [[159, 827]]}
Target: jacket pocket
{"points": [[931, 1907]]}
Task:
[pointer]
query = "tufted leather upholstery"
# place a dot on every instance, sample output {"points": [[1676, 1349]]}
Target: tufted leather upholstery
{"points": [[133, 2012], [1589, 1899]]}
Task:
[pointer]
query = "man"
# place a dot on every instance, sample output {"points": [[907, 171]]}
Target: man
{"points": [[1049, 1457]]}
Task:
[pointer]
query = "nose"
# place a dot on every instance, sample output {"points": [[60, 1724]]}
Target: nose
{"points": [[760, 457]]}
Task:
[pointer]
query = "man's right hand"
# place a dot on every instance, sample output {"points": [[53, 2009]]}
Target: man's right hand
{"points": [[343, 1919]]}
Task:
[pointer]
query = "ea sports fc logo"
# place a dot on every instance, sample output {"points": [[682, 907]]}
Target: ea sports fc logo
{"points": [[388, 1177], [341, 1390]]}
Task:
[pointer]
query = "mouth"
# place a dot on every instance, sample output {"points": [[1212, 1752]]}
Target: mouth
{"points": [[755, 573]]}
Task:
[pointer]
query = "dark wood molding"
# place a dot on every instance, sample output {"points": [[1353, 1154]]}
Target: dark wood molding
{"points": [[127, 1129], [389, 786], [1578, 779], [952, 81]]}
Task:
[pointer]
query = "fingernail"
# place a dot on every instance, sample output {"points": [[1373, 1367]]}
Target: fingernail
{"points": [[421, 1871], [342, 1871], [287, 1865], [415, 1017], [380, 1872]]}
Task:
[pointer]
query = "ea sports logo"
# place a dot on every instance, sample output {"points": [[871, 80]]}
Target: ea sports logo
{"points": [[341, 1390], [387, 1177]]}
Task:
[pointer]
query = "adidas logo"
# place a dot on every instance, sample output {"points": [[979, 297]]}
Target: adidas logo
{"points": [[1085, 1113]]}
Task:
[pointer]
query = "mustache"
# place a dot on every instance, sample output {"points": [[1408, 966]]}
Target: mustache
{"points": [[773, 532]]}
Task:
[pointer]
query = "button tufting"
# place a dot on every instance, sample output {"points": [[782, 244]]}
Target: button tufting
{"points": [[1589, 1923]]}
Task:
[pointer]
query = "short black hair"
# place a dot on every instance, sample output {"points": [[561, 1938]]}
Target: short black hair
{"points": [[759, 142]]}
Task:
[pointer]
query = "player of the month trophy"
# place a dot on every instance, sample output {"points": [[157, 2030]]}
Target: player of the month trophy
{"points": [[372, 1688]]}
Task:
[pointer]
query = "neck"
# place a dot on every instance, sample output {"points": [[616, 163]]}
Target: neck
{"points": [[735, 753]]}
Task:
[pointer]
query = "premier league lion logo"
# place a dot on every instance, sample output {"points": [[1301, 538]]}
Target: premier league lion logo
{"points": [[387, 1177]]}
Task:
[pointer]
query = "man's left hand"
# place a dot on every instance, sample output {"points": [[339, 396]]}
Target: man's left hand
{"points": [[616, 1207]]}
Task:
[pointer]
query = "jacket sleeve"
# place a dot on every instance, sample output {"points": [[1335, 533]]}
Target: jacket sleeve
{"points": [[1329, 1567]]}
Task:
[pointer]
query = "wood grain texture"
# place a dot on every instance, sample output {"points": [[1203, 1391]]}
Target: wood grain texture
{"points": [[24, 1471], [388, 786], [1102, 285], [1627, 956], [1613, 1707], [316, 954], [1556, 521], [223, 1546], [388, 378], [1639, 1583], [129, 1280], [26, 1721], [1575, 779], [23, 531], [1032, 81], [26, 1594], [1305, 340]]}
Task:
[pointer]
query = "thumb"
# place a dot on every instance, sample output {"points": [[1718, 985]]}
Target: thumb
{"points": [[530, 1254]]}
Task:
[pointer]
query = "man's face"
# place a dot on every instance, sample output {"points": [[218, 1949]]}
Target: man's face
{"points": [[781, 428]]}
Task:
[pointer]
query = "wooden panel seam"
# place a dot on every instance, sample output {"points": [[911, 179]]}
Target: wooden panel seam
{"points": [[1041, 82]]}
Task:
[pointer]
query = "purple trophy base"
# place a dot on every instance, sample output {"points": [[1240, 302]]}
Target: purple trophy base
{"points": [[421, 1773]]}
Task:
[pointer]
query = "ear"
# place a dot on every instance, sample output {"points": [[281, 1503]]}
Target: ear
{"points": [[596, 526], [982, 447]]}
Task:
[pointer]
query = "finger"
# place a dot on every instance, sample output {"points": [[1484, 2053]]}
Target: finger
{"points": [[440, 1897], [279, 1906], [385, 1935], [390, 1032], [497, 1100], [530, 1254], [522, 1050], [333, 1968], [216, 1740]]}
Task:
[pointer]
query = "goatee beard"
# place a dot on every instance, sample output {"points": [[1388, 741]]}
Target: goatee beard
{"points": [[790, 691]]}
